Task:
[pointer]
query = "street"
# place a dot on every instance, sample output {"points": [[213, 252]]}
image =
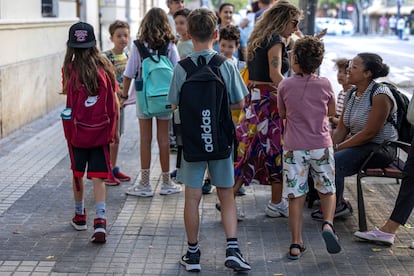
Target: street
{"points": [[397, 54]]}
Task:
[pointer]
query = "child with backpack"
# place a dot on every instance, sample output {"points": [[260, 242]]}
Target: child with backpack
{"points": [[89, 121], [198, 82], [154, 47], [119, 34], [305, 100]]}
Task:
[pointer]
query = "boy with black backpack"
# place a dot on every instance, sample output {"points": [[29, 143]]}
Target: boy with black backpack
{"points": [[203, 88]]}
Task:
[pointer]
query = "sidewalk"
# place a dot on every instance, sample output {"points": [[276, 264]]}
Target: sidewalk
{"points": [[146, 236]]}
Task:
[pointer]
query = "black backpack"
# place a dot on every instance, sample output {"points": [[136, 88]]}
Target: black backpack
{"points": [[404, 128], [206, 131]]}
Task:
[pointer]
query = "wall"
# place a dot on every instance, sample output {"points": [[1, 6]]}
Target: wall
{"points": [[32, 50]]}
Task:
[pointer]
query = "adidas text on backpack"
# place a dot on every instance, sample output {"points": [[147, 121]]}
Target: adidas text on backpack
{"points": [[206, 127], [404, 128], [153, 86]]}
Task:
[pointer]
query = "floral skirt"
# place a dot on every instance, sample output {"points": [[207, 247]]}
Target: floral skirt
{"points": [[259, 133]]}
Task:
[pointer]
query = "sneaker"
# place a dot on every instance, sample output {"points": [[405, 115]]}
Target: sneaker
{"points": [[277, 210], [344, 210], [173, 177], [240, 214], [241, 191], [120, 175], [376, 235], [207, 187], [235, 260], [112, 180], [140, 190], [171, 188], [79, 222], [99, 236], [191, 261]]}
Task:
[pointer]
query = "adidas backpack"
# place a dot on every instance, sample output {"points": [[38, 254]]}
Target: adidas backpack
{"points": [[153, 86], [90, 121], [404, 128], [206, 129]]}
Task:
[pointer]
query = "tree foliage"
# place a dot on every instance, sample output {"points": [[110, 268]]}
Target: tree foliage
{"points": [[238, 4]]}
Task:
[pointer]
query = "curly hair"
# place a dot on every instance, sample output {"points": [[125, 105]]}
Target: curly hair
{"points": [[155, 29], [308, 52], [272, 22], [230, 32], [86, 62], [373, 63]]}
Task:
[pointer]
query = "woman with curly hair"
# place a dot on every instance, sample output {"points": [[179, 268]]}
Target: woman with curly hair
{"points": [[155, 33], [260, 129]]}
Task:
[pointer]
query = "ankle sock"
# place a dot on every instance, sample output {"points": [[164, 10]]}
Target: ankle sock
{"points": [[100, 210], [79, 207], [193, 247], [165, 178], [115, 170], [145, 177], [232, 243]]}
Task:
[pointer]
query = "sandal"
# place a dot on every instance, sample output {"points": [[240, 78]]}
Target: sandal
{"points": [[297, 246], [331, 239]]}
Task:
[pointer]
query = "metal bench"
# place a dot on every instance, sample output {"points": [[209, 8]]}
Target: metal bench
{"points": [[394, 170]]}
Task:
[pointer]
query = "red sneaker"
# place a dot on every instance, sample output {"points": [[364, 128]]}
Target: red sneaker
{"points": [[120, 175], [112, 181], [99, 236], [79, 222]]}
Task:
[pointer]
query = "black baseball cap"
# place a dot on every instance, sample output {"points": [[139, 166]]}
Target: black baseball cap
{"points": [[81, 35]]}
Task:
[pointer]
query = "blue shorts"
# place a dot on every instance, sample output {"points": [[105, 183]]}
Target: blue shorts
{"points": [[221, 173]]}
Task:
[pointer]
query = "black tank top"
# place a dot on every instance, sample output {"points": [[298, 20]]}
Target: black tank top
{"points": [[259, 66]]}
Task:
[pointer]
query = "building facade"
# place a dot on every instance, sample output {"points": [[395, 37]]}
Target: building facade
{"points": [[34, 35]]}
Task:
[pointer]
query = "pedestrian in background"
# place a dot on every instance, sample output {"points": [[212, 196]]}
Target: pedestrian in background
{"points": [[155, 33], [305, 100], [89, 83], [118, 56]]}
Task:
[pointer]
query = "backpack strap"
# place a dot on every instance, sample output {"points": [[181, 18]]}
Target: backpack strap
{"points": [[188, 66], [389, 118], [144, 53]]}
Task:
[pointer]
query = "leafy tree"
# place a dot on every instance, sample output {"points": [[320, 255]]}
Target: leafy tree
{"points": [[238, 4]]}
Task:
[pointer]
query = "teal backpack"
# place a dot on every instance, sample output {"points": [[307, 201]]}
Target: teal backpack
{"points": [[153, 85]]}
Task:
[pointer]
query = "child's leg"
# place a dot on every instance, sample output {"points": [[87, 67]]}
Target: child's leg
{"points": [[277, 189], [328, 205], [228, 211], [99, 191], [191, 213], [163, 144], [78, 189], [295, 221], [145, 134]]}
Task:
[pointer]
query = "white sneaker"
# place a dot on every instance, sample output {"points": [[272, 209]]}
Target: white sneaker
{"points": [[171, 188], [277, 210], [376, 235], [140, 190]]}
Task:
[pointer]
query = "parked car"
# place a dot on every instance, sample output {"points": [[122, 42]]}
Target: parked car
{"points": [[335, 26]]}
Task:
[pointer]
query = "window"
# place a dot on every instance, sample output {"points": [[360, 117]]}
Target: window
{"points": [[50, 8]]}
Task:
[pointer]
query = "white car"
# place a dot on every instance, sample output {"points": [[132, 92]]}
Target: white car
{"points": [[335, 26]]}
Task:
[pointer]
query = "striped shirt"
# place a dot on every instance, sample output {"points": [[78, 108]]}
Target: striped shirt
{"points": [[357, 110]]}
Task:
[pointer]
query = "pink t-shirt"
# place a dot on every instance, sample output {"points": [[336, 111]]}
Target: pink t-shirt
{"points": [[305, 100]]}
